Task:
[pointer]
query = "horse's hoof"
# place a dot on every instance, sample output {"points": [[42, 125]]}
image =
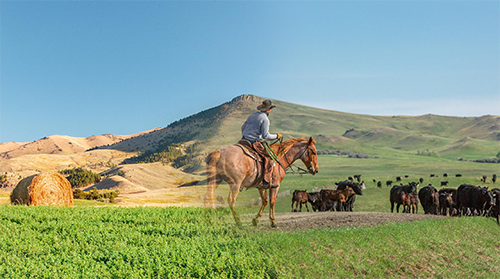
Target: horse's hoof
{"points": [[274, 225], [255, 222]]}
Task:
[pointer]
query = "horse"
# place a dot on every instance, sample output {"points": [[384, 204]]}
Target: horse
{"points": [[230, 163]]}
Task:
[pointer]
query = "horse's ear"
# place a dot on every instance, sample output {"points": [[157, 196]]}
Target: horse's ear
{"points": [[311, 141]]}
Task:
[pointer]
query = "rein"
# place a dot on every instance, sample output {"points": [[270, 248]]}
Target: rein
{"points": [[273, 155], [298, 168]]}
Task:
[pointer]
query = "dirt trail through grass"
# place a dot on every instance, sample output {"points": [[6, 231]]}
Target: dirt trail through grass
{"points": [[315, 220]]}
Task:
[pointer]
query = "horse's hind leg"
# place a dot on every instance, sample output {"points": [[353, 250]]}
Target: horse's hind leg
{"points": [[212, 184], [263, 197], [232, 204]]}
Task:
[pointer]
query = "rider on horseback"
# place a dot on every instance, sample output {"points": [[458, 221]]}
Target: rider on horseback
{"points": [[255, 129]]}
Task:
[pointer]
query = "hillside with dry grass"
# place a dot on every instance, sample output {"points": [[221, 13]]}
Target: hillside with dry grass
{"points": [[151, 165]]}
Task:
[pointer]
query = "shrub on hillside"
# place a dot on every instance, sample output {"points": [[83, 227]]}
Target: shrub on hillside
{"points": [[426, 153], [95, 194], [79, 177], [4, 182]]}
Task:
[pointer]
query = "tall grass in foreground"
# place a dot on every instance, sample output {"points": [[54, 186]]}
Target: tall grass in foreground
{"points": [[89, 242]]}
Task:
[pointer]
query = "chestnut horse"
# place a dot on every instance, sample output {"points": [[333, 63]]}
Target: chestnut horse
{"points": [[231, 164]]}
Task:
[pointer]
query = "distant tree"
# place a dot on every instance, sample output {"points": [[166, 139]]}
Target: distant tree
{"points": [[4, 182], [79, 177], [95, 194]]}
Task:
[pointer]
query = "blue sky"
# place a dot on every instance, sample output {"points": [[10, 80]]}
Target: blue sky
{"points": [[83, 68]]}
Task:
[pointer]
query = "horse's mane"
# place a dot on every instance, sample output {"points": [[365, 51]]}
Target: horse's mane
{"points": [[282, 148]]}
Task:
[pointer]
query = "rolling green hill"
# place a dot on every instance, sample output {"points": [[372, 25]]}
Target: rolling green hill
{"points": [[382, 136]]}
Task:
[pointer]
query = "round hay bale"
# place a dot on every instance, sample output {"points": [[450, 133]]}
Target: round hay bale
{"points": [[46, 188]]}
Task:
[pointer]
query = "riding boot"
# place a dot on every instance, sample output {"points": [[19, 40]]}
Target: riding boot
{"points": [[276, 176]]}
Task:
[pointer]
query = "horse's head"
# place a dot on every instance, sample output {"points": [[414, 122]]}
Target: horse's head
{"points": [[310, 156]]}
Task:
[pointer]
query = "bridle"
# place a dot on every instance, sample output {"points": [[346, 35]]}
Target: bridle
{"points": [[300, 170]]}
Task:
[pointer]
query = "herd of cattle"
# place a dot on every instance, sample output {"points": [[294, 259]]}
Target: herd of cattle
{"points": [[341, 199], [466, 200]]}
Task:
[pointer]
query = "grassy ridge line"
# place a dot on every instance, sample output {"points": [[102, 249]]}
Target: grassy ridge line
{"points": [[89, 242], [402, 134], [373, 135]]}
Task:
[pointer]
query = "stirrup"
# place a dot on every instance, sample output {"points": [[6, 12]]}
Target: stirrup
{"points": [[264, 185]]}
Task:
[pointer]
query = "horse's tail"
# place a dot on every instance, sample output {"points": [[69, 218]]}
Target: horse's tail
{"points": [[212, 178]]}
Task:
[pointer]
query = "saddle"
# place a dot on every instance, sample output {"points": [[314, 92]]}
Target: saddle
{"points": [[257, 152], [248, 149]]}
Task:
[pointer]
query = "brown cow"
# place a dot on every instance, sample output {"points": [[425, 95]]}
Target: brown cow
{"points": [[299, 197], [339, 196], [445, 203], [410, 201]]}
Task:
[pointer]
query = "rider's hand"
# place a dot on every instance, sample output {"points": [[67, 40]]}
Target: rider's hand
{"points": [[280, 136]]}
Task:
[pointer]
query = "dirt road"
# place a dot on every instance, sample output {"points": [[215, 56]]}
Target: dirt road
{"points": [[314, 220]]}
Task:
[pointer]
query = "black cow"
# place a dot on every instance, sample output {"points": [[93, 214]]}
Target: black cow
{"points": [[429, 199], [494, 178], [421, 180], [388, 183], [458, 175], [445, 175], [398, 178], [484, 179], [474, 199], [325, 205], [349, 205], [314, 198], [444, 183], [358, 177], [379, 184], [411, 187], [496, 209], [398, 194]]}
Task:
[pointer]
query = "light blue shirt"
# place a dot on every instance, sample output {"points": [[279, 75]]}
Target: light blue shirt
{"points": [[256, 127]]}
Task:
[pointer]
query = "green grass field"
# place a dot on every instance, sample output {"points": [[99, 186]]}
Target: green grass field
{"points": [[87, 241], [112, 242]]}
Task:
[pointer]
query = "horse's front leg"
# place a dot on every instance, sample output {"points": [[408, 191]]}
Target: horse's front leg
{"points": [[231, 200], [272, 196], [263, 197]]}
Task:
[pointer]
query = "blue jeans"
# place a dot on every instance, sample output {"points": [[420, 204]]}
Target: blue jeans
{"points": [[251, 141]]}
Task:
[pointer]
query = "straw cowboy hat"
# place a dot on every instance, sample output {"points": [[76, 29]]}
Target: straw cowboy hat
{"points": [[265, 106]]}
